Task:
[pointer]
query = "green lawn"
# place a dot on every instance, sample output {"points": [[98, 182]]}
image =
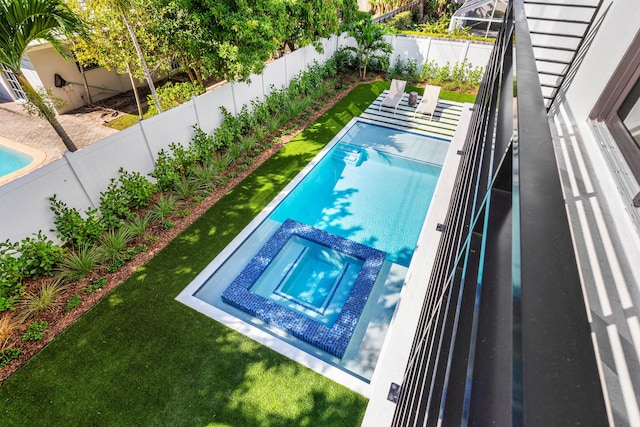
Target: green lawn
{"points": [[141, 358]]}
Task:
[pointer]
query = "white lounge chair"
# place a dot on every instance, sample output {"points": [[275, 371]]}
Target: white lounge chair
{"points": [[394, 96], [429, 101]]}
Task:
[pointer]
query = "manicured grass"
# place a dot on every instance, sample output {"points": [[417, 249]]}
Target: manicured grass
{"points": [[128, 120], [141, 358]]}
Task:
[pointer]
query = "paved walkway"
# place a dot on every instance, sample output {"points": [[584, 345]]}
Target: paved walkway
{"points": [[83, 129]]}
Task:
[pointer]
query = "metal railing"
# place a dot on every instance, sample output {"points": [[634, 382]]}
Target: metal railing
{"points": [[503, 337]]}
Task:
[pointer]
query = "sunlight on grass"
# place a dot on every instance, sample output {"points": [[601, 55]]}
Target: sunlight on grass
{"points": [[115, 300], [139, 357]]}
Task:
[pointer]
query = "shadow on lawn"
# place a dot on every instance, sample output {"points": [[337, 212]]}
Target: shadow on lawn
{"points": [[139, 357]]}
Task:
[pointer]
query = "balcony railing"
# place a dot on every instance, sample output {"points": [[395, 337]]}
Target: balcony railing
{"points": [[503, 337]]}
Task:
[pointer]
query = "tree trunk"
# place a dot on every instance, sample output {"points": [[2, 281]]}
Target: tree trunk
{"points": [[143, 63], [135, 91], [86, 85], [45, 111]]}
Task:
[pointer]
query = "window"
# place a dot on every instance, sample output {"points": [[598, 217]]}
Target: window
{"points": [[619, 107], [629, 113]]}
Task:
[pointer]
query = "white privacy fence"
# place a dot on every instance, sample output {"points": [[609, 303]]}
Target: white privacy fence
{"points": [[78, 178]]}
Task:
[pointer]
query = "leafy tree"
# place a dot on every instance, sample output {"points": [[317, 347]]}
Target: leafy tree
{"points": [[110, 44], [24, 21], [235, 38], [370, 42], [122, 9], [305, 22]]}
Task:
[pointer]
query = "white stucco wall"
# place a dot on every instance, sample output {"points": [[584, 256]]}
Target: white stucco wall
{"points": [[46, 62]]}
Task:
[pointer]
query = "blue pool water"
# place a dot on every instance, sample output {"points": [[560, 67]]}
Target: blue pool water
{"points": [[326, 263], [11, 161], [310, 278], [371, 197]]}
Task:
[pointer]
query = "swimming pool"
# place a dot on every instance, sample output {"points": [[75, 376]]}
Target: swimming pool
{"points": [[361, 205], [11, 160]]}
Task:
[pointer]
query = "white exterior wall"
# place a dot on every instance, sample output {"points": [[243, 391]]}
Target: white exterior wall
{"points": [[79, 178], [609, 45], [47, 62]]}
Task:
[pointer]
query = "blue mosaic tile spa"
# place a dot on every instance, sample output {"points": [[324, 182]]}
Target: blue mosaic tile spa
{"points": [[330, 336]]}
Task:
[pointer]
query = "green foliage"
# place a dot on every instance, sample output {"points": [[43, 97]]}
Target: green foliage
{"points": [[371, 48], [402, 21], [35, 331], [440, 26], [208, 176], [173, 94], [113, 243], [8, 355], [73, 302], [116, 265], [137, 226], [137, 249], [45, 299], [164, 172], [81, 262], [185, 188], [461, 75], [131, 191], [31, 258], [74, 228], [165, 206], [95, 285], [405, 69], [168, 224]]}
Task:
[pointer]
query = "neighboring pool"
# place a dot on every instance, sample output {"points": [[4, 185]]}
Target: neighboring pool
{"points": [[11, 160], [322, 267]]}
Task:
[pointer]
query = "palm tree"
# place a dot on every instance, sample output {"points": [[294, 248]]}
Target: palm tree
{"points": [[24, 21], [370, 39]]}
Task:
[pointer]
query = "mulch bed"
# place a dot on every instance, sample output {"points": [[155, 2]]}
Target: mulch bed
{"points": [[59, 319]]}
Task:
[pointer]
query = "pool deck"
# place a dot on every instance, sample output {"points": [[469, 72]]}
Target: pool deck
{"points": [[395, 352]]}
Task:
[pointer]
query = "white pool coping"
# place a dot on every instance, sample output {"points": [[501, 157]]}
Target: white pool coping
{"points": [[37, 156], [396, 349], [336, 374]]}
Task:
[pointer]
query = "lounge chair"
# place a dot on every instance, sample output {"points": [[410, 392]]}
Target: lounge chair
{"points": [[394, 96], [429, 101]]}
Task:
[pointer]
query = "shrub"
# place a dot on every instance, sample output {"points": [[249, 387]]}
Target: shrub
{"points": [[35, 331], [72, 227], [208, 177], [95, 285], [36, 256], [8, 326], [460, 76], [131, 191], [164, 171], [10, 275], [137, 226], [81, 262], [165, 206], [8, 355], [203, 144], [406, 69], [113, 243], [402, 21], [185, 188], [45, 299], [73, 302], [173, 94]]}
